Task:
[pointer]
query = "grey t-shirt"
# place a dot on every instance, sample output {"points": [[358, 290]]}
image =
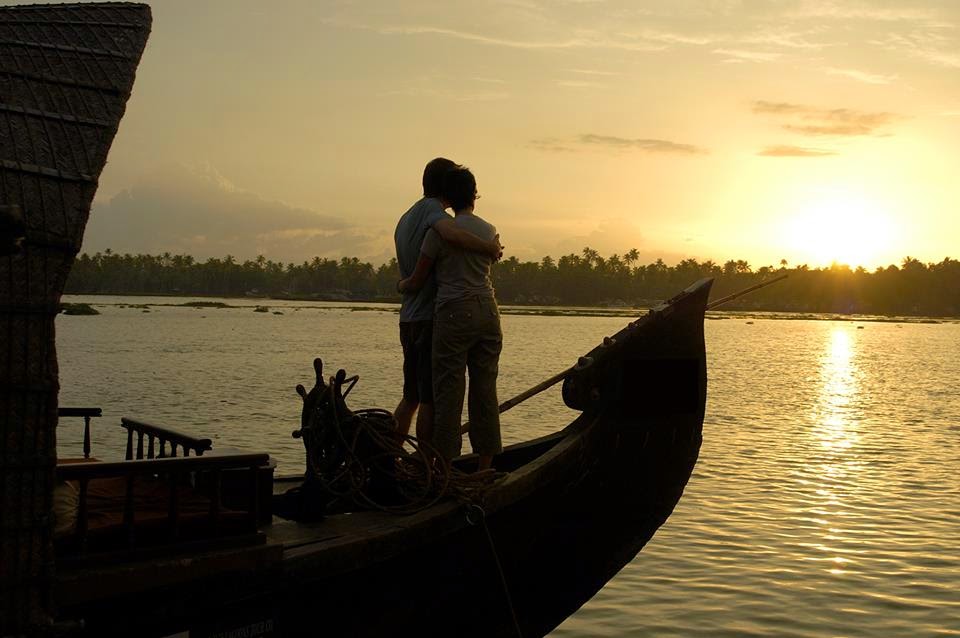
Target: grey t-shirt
{"points": [[460, 273], [408, 237]]}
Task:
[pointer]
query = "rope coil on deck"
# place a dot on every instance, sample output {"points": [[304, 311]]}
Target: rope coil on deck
{"points": [[360, 458]]}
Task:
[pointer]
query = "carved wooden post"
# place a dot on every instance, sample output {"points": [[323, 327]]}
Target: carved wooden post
{"points": [[66, 72]]}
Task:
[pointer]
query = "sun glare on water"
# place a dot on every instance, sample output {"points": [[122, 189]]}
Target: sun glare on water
{"points": [[840, 226]]}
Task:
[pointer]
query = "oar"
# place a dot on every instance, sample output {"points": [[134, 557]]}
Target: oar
{"points": [[560, 376], [762, 284]]}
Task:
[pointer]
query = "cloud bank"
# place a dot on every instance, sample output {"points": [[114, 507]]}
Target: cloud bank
{"points": [[610, 142], [794, 151], [807, 120], [198, 212]]}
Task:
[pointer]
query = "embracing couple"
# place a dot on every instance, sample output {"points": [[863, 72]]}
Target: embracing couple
{"points": [[449, 320]]}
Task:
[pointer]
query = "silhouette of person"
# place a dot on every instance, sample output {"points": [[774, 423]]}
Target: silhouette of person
{"points": [[466, 330], [417, 308]]}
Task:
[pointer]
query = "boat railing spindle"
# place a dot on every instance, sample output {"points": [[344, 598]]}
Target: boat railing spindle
{"points": [[86, 413], [164, 435]]}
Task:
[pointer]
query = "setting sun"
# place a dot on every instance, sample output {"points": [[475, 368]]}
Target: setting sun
{"points": [[840, 225]]}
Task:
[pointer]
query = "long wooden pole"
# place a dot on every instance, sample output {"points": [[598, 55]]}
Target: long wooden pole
{"points": [[762, 284], [560, 376]]}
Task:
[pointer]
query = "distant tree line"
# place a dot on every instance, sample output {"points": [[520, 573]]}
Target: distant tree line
{"points": [[585, 279]]}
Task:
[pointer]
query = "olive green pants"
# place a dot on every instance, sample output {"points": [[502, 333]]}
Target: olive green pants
{"points": [[466, 337]]}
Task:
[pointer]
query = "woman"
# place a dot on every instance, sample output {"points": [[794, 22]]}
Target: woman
{"points": [[466, 328]]}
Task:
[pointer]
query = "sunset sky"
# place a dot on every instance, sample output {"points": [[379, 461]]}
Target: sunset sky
{"points": [[809, 131]]}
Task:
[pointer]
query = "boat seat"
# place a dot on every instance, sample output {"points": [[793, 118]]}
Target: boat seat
{"points": [[106, 503], [122, 506]]}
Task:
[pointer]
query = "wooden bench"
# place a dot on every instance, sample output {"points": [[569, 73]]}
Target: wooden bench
{"points": [[127, 505], [159, 497]]}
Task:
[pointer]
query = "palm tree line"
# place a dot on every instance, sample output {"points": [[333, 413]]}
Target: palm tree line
{"points": [[584, 279]]}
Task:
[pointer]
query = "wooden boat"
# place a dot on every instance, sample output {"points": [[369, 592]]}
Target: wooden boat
{"points": [[212, 559], [574, 508]]}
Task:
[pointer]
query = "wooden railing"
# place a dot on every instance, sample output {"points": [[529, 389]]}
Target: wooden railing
{"points": [[161, 436], [176, 472], [86, 413]]}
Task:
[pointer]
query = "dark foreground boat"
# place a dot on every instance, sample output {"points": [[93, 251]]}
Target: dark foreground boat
{"points": [[575, 507], [191, 545]]}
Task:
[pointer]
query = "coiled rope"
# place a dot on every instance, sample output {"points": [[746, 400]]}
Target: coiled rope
{"points": [[360, 458]]}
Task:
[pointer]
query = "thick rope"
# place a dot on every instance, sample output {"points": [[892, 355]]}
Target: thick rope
{"points": [[353, 450]]}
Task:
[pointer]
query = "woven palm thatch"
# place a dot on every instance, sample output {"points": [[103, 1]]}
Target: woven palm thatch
{"points": [[66, 72]]}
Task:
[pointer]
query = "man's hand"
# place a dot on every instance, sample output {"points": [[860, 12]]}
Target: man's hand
{"points": [[466, 240], [402, 285], [496, 248]]}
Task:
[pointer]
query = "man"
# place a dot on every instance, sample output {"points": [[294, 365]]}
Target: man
{"points": [[466, 334], [416, 311]]}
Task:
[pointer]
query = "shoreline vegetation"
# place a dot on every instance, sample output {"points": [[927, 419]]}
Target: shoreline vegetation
{"points": [[538, 311], [588, 282]]}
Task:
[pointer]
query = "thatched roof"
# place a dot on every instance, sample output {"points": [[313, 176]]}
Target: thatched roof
{"points": [[66, 72]]}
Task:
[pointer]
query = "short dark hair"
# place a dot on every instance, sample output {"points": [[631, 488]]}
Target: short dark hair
{"points": [[459, 188], [433, 174]]}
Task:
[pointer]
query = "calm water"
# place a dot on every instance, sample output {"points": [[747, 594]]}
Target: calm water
{"points": [[826, 501]]}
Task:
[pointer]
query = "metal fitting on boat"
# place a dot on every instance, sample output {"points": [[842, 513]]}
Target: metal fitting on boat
{"points": [[583, 363], [475, 514], [608, 341]]}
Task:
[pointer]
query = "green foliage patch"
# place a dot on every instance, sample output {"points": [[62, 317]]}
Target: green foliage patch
{"points": [[587, 279]]}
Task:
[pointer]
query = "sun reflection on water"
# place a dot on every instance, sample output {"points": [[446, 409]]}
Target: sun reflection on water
{"points": [[839, 390], [835, 433]]}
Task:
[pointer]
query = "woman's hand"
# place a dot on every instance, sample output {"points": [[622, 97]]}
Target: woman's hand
{"points": [[415, 282]]}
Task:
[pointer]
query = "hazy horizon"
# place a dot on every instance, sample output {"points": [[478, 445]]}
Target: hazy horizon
{"points": [[811, 131]]}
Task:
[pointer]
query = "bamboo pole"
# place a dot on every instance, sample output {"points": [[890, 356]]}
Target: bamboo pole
{"points": [[560, 376], [762, 284]]}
